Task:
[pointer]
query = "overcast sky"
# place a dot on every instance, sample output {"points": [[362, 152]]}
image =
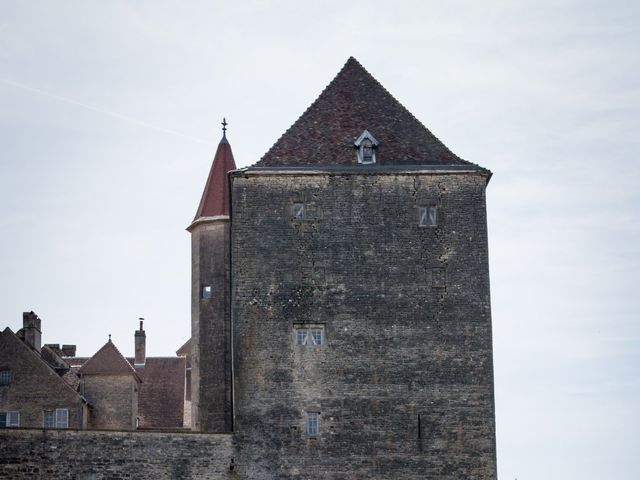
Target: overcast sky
{"points": [[110, 114]]}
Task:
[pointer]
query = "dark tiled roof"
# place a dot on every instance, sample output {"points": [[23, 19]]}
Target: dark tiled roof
{"points": [[185, 349], [215, 198], [354, 101], [50, 356], [107, 360], [161, 393]]}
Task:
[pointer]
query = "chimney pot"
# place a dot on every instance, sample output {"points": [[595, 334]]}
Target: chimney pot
{"points": [[32, 334], [140, 339]]}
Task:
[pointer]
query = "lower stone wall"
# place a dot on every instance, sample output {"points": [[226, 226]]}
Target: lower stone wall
{"points": [[97, 455]]}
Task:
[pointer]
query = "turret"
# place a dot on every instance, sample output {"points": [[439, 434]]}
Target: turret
{"points": [[210, 305]]}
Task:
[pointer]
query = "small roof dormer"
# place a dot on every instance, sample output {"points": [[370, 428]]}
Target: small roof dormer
{"points": [[366, 146]]}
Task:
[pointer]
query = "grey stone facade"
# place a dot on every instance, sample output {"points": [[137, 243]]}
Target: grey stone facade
{"points": [[210, 329], [403, 382], [100, 455]]}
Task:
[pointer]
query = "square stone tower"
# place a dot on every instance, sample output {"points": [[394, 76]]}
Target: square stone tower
{"points": [[360, 304]]}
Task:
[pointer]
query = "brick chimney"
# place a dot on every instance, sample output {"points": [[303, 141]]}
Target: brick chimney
{"points": [[141, 341], [68, 350], [32, 334]]}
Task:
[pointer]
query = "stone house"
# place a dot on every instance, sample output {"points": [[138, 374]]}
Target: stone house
{"points": [[36, 388], [49, 386]]}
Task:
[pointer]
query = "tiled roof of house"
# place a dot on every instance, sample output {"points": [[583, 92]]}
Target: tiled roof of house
{"points": [[161, 393], [215, 198], [185, 349], [107, 360], [353, 102]]}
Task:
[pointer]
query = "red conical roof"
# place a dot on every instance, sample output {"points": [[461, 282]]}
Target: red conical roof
{"points": [[215, 198]]}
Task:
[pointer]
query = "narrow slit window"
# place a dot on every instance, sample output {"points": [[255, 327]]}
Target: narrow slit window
{"points": [[313, 424], [207, 292]]}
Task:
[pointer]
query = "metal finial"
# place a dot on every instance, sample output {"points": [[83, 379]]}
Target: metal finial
{"points": [[224, 127], [109, 337]]}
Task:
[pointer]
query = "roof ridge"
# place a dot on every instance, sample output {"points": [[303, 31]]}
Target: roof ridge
{"points": [[103, 351], [353, 101], [409, 111], [351, 58]]}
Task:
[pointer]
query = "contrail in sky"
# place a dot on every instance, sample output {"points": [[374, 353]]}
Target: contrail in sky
{"points": [[102, 111]]}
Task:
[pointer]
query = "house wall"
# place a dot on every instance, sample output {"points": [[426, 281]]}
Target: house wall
{"points": [[92, 455], [113, 401], [35, 387], [404, 383]]}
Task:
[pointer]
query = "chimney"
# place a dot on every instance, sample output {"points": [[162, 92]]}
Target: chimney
{"points": [[68, 350], [140, 340], [32, 332]]}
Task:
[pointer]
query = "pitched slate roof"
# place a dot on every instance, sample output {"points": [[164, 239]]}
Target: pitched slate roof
{"points": [[161, 393], [353, 102], [107, 360], [215, 198], [185, 349]]}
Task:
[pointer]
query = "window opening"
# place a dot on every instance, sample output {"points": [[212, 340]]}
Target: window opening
{"points": [[207, 292], [297, 211], [309, 336], [366, 148], [428, 216], [10, 419], [313, 424], [5, 377]]}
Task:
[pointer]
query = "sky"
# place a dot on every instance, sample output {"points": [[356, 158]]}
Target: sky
{"points": [[110, 115]]}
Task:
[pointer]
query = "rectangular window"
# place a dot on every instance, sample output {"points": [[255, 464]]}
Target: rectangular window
{"points": [[49, 419], [310, 336], [297, 211], [206, 292], [428, 216], [313, 424], [62, 418], [10, 419], [5, 377], [58, 418]]}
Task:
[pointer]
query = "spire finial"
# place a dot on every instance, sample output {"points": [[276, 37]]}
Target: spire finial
{"points": [[224, 127], [109, 337]]}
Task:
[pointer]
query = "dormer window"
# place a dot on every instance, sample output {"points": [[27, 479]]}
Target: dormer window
{"points": [[366, 148]]}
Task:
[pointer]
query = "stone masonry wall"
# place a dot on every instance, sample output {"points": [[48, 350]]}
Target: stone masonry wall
{"points": [[113, 401], [98, 455], [403, 384], [210, 329]]}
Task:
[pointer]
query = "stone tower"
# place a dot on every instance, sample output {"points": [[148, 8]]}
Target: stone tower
{"points": [[360, 298], [210, 315]]}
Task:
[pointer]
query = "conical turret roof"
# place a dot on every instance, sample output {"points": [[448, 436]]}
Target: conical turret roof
{"points": [[215, 198], [353, 102]]}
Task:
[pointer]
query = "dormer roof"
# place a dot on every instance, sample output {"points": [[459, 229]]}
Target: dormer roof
{"points": [[353, 102], [215, 198]]}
